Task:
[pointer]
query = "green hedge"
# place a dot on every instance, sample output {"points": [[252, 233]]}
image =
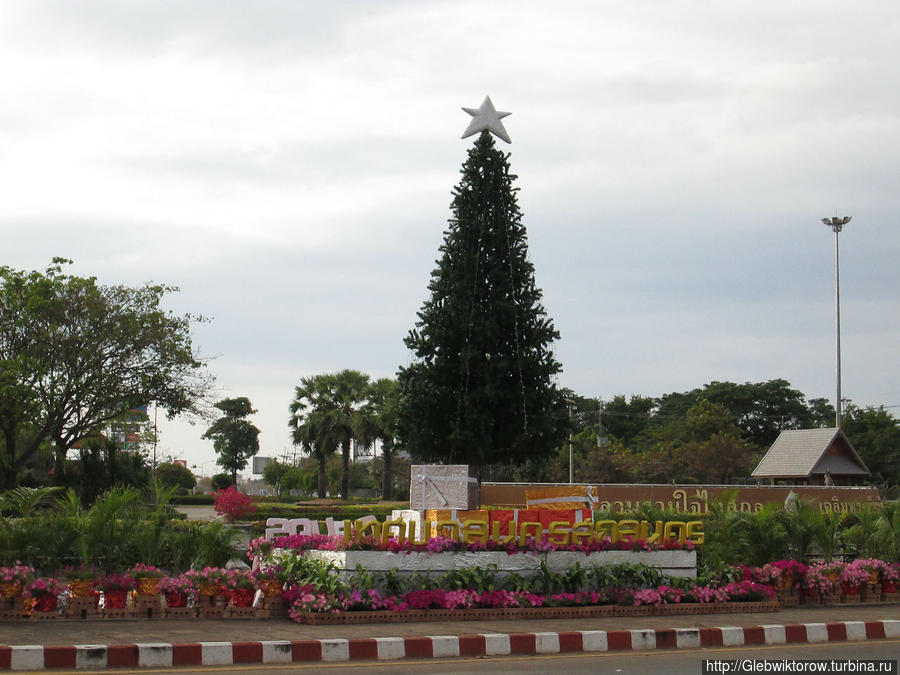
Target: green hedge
{"points": [[192, 500]]}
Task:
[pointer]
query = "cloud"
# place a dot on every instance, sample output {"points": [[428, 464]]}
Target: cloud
{"points": [[289, 166]]}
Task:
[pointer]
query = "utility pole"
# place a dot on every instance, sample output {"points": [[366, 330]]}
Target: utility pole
{"points": [[837, 224]]}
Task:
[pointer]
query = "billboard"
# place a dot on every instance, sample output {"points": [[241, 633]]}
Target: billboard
{"points": [[260, 463]]}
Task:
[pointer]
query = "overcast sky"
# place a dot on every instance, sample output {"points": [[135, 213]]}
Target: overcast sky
{"points": [[289, 166]]}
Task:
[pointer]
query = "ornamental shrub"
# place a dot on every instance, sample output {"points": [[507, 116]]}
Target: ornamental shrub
{"points": [[233, 504]]}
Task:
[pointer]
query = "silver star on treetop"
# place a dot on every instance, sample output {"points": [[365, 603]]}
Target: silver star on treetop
{"points": [[486, 118]]}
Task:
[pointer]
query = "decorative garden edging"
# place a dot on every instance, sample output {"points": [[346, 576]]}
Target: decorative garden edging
{"points": [[166, 655], [670, 563]]}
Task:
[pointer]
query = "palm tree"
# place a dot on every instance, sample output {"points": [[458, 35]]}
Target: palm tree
{"points": [[308, 427], [327, 412], [342, 403], [378, 419]]}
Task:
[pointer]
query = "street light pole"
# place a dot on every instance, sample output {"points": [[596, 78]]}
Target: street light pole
{"points": [[837, 224], [569, 401]]}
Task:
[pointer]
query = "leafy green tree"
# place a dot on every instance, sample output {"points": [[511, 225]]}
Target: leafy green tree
{"points": [[821, 413], [101, 465], [75, 355], [481, 389], [761, 410], [625, 419], [274, 473], [234, 438], [221, 481], [176, 475], [875, 434]]}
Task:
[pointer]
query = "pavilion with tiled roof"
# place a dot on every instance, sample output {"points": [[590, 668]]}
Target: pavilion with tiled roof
{"points": [[810, 457]]}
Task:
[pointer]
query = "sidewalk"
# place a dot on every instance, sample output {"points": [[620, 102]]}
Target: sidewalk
{"points": [[142, 642]]}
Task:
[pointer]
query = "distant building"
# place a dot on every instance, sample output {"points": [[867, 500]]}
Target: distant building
{"points": [[811, 457]]}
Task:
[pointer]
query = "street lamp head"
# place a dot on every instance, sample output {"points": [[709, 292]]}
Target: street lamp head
{"points": [[837, 223]]}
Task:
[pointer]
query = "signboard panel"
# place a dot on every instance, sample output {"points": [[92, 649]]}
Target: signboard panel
{"points": [[683, 498]]}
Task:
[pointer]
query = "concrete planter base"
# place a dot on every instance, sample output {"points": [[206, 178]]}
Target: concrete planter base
{"points": [[671, 563]]}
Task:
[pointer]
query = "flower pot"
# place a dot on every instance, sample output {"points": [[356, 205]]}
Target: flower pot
{"points": [[176, 599], [271, 588], [10, 589], [811, 592], [785, 583], [45, 602], [242, 597], [80, 588], [115, 599], [889, 587], [147, 585], [850, 589], [208, 589]]}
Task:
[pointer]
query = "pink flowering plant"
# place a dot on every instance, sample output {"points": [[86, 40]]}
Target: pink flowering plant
{"points": [[233, 504], [212, 576], [890, 573], [82, 572], [705, 594], [16, 574], [181, 583], [236, 579], [141, 571], [817, 578], [116, 582], [270, 572], [306, 599], [259, 547], [45, 586], [440, 544], [748, 591], [857, 573]]}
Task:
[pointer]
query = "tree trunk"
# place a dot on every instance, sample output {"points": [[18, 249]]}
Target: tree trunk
{"points": [[323, 478], [59, 466], [9, 467], [345, 469], [387, 478]]}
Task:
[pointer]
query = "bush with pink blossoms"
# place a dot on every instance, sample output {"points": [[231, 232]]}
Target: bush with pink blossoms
{"points": [[748, 591], [232, 503]]}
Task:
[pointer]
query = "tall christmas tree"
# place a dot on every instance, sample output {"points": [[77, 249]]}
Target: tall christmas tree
{"points": [[480, 387]]}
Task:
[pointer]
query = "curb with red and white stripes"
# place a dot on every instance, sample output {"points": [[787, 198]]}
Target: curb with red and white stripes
{"points": [[38, 657]]}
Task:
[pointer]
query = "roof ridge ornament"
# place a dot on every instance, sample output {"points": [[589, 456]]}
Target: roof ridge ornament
{"points": [[486, 118]]}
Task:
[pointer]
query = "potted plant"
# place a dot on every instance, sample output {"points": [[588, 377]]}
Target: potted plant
{"points": [[871, 565], [817, 581], [115, 588], [45, 591], [177, 589], [242, 586], [14, 578], [82, 580], [146, 578], [210, 582], [852, 576], [890, 575], [270, 579]]}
